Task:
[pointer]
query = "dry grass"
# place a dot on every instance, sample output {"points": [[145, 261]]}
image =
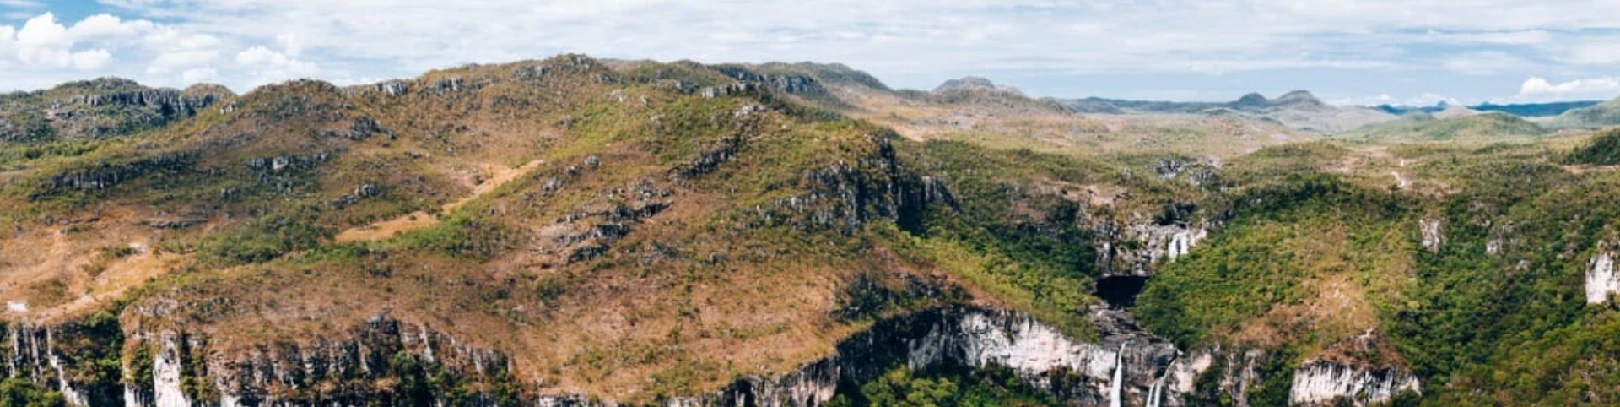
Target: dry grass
{"points": [[494, 177], [65, 272]]}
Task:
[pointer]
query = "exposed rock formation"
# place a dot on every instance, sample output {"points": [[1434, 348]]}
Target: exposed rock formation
{"points": [[974, 83], [1324, 382], [1434, 236], [1154, 244], [1601, 281], [1124, 366], [101, 108]]}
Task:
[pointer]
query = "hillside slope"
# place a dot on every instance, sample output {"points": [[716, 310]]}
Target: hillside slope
{"points": [[1458, 125], [625, 231], [572, 231], [1602, 115]]}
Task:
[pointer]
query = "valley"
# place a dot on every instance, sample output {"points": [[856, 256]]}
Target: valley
{"points": [[575, 231]]}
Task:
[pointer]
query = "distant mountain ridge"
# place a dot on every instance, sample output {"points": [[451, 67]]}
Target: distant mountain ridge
{"points": [[1550, 109], [1298, 109]]}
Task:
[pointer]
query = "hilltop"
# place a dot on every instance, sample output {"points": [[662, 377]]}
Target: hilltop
{"points": [[100, 108]]}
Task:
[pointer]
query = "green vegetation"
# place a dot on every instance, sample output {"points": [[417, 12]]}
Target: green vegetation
{"points": [[1286, 239], [1423, 127], [1602, 115], [1603, 150], [1517, 235], [641, 231], [988, 387], [20, 392], [261, 240]]}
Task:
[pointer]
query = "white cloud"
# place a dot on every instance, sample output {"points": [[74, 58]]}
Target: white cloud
{"points": [[44, 51], [8, 39], [257, 41], [43, 32], [1484, 63], [1540, 88], [1423, 100], [1104, 36], [290, 45], [269, 66], [1601, 52], [104, 26], [1526, 37], [200, 75], [21, 3], [179, 60], [42, 41], [90, 60]]}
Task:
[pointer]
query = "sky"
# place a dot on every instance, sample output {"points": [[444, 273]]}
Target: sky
{"points": [[1404, 52]]}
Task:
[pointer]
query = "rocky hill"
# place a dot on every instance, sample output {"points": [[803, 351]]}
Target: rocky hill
{"points": [[1298, 110], [100, 108], [571, 231]]}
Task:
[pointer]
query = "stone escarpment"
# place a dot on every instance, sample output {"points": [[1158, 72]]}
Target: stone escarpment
{"points": [[1326, 382], [101, 108], [845, 196], [384, 361], [1601, 280], [107, 175], [388, 362], [79, 361]]}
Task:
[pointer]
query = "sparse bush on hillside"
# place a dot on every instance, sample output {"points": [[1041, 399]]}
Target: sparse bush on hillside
{"points": [[1604, 149], [987, 387], [263, 240]]}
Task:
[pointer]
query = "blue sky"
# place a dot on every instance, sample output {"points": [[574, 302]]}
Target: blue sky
{"points": [[1348, 52]]}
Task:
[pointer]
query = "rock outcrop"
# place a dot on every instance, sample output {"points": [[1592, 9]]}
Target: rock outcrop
{"points": [[1434, 234], [1326, 383], [101, 108], [1601, 281], [388, 362], [975, 84]]}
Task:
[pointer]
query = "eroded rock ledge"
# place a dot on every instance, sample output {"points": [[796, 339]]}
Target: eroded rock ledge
{"points": [[387, 362]]}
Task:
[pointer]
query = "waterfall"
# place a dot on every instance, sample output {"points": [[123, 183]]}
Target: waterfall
{"points": [[1116, 397], [1156, 395]]}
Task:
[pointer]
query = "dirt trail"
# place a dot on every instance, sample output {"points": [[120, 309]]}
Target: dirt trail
{"points": [[1583, 169], [384, 230]]}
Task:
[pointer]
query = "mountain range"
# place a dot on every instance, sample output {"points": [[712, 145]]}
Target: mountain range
{"points": [[582, 232]]}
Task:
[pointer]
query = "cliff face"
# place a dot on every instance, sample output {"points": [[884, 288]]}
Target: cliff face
{"points": [[388, 362], [1324, 382]]}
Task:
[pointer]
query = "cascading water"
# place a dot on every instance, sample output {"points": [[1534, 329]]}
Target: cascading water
{"points": [[1156, 394], [1116, 396]]}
